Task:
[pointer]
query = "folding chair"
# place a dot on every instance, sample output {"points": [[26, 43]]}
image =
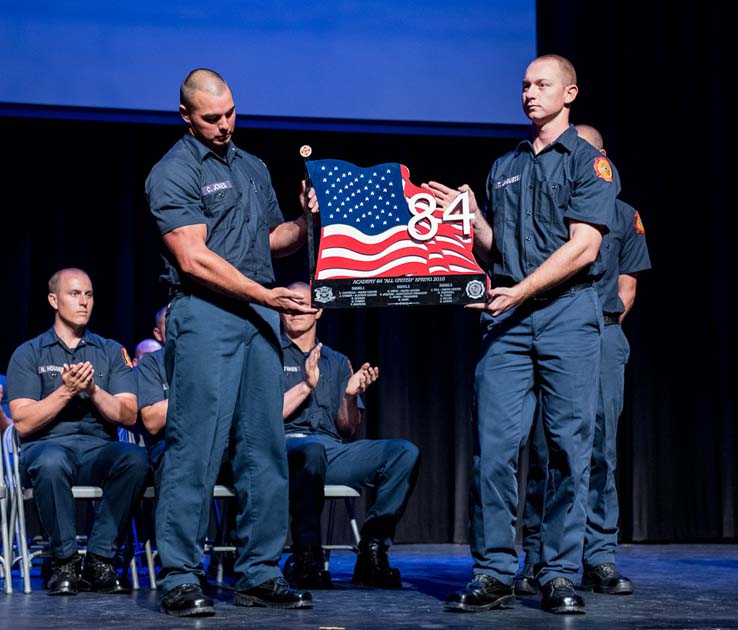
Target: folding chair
{"points": [[331, 493], [220, 492], [6, 559], [348, 494], [149, 550], [19, 495]]}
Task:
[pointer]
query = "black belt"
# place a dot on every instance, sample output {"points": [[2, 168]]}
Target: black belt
{"points": [[560, 290], [611, 319]]}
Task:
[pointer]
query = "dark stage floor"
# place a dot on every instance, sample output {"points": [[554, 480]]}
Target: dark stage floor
{"points": [[677, 586]]}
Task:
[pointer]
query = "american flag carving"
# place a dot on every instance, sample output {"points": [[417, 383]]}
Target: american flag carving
{"points": [[369, 229]]}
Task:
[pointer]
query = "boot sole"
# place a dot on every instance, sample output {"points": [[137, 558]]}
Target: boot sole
{"points": [[239, 599], [620, 589], [198, 611], [506, 601], [566, 609], [63, 593]]}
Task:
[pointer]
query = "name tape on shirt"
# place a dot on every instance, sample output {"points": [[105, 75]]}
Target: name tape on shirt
{"points": [[209, 189], [507, 182], [44, 369]]}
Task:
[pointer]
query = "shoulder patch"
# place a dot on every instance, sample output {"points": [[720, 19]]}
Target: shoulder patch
{"points": [[603, 169], [126, 358], [638, 224]]}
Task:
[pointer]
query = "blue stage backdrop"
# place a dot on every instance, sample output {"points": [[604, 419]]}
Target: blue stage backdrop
{"points": [[429, 61]]}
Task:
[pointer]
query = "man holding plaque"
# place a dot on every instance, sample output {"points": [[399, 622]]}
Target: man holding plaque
{"points": [[625, 253], [220, 221], [548, 203]]}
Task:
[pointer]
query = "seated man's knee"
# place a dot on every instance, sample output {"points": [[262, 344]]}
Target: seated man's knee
{"points": [[49, 462], [408, 455], [132, 461], [309, 458]]}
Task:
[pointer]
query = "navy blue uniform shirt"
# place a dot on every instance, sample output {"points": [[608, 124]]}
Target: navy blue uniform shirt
{"points": [[530, 198], [35, 370], [151, 380], [317, 413], [232, 196], [623, 251]]}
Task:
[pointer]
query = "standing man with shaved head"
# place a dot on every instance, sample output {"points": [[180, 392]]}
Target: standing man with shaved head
{"points": [[548, 203], [625, 255], [221, 223]]}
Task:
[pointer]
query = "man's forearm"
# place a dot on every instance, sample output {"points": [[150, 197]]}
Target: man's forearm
{"points": [[31, 415], [349, 417], [154, 417], [117, 409], [569, 259], [294, 397], [288, 237]]}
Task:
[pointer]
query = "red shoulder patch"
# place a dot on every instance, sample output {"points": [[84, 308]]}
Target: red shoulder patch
{"points": [[638, 224], [603, 169], [126, 358]]}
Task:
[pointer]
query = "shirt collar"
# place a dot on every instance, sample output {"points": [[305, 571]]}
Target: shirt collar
{"points": [[567, 140], [201, 151], [287, 342], [49, 338]]}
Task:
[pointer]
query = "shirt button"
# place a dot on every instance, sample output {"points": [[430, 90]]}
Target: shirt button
{"points": [[527, 238], [528, 213]]}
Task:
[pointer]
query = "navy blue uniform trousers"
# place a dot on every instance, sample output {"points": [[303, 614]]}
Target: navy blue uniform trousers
{"points": [[388, 466], [224, 367], [551, 347], [52, 466], [601, 537]]}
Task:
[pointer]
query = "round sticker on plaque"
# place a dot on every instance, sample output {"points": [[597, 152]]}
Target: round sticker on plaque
{"points": [[475, 289], [324, 294]]}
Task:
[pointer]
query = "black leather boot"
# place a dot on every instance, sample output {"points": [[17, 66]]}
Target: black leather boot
{"points": [[525, 582], [65, 574], [605, 578], [481, 594], [99, 575], [274, 593], [305, 568], [372, 566], [559, 597], [187, 600]]}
